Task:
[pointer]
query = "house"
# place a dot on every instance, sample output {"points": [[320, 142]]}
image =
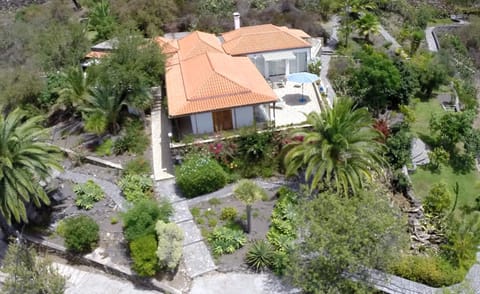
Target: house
{"points": [[208, 90], [276, 51], [216, 83]]}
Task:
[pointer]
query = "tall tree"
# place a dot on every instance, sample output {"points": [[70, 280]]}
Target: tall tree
{"points": [[26, 160], [344, 236], [248, 192], [342, 149]]}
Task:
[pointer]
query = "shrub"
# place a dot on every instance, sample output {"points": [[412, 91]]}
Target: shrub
{"points": [[224, 240], [214, 201], [438, 199], [260, 255], [136, 187], [200, 175], [212, 222], [105, 149], [228, 213], [170, 244], [133, 141], [195, 211], [80, 233], [87, 194], [140, 220], [430, 270], [137, 166], [142, 250]]}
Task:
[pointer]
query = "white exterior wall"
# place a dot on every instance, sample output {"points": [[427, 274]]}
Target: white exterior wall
{"points": [[242, 116], [287, 62], [202, 123]]}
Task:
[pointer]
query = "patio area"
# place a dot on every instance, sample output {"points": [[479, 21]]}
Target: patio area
{"points": [[292, 106]]}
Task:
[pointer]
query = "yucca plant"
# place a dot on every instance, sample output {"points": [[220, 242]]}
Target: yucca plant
{"points": [[261, 255]]}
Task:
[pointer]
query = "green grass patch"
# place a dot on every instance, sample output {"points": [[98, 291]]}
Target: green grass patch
{"points": [[423, 179], [423, 112], [439, 21]]}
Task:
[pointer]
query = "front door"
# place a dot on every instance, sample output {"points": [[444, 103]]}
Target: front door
{"points": [[222, 120]]}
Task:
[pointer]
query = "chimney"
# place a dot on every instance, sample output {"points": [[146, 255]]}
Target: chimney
{"points": [[236, 20]]}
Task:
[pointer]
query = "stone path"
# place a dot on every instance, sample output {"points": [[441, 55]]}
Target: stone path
{"points": [[81, 281], [161, 127], [430, 37], [389, 38], [109, 188], [334, 24], [419, 152], [239, 283]]}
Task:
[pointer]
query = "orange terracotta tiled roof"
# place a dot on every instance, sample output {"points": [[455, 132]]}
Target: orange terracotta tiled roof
{"points": [[168, 46], [262, 38], [198, 43], [96, 54], [213, 81]]}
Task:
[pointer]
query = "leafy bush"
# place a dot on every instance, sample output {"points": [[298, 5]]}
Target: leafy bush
{"points": [[104, 149], [136, 187], [140, 220], [195, 211], [133, 141], [142, 250], [224, 240], [80, 233], [438, 200], [87, 194], [431, 270], [200, 175], [261, 255], [438, 157], [137, 166], [228, 213], [170, 244]]}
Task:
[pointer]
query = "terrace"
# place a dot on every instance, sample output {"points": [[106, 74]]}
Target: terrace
{"points": [[293, 105]]}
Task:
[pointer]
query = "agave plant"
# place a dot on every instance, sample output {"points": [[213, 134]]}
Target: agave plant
{"points": [[261, 255]]}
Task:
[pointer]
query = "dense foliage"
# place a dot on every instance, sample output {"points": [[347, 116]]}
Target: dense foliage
{"points": [[87, 194], [342, 236], [170, 244], [80, 233], [136, 187], [142, 251], [199, 175], [140, 220], [225, 240]]}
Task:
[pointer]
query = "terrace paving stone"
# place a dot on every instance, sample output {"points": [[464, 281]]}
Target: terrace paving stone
{"points": [[197, 259], [191, 232]]}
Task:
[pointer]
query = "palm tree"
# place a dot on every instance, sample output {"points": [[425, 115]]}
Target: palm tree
{"points": [[366, 25], [342, 148], [25, 160], [248, 192], [102, 109], [76, 91]]}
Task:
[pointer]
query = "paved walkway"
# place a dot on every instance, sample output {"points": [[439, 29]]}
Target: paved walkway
{"points": [[81, 281], [432, 45], [161, 127], [239, 283], [389, 38], [334, 24]]}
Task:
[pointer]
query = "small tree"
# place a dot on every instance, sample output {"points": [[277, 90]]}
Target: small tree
{"points": [[170, 244], [248, 192], [439, 199], [29, 274]]}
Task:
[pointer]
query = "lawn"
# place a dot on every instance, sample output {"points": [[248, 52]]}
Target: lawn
{"points": [[423, 112], [423, 179]]}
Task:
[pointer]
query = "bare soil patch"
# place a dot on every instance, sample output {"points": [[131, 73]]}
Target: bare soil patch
{"points": [[208, 218]]}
